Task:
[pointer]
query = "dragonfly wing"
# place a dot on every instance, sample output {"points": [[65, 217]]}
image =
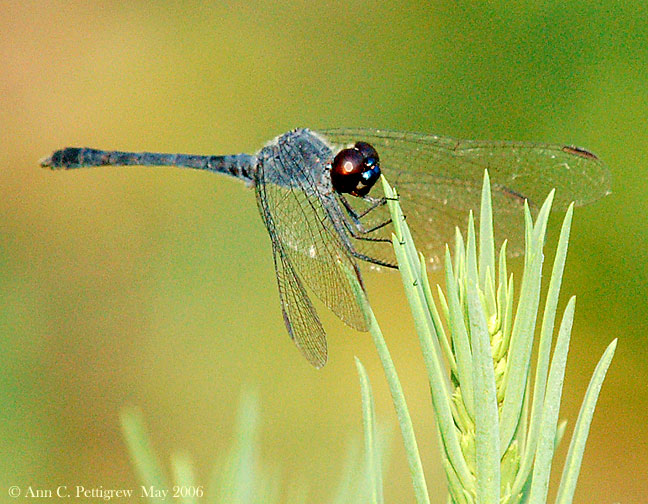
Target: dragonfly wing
{"points": [[524, 169], [300, 317], [433, 221], [309, 252], [439, 179]]}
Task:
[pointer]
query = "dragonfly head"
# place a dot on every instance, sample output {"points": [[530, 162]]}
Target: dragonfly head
{"points": [[355, 170]]}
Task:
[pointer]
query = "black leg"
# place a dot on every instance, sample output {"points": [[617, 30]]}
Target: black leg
{"points": [[357, 229], [372, 260], [349, 221], [375, 203]]}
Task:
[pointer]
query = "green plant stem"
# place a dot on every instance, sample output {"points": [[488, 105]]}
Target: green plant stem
{"points": [[398, 397], [369, 426]]}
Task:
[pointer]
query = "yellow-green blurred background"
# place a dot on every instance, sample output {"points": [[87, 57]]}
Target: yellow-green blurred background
{"points": [[156, 288]]}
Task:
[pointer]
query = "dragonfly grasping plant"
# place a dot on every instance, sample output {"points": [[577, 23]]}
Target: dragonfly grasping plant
{"points": [[497, 417]]}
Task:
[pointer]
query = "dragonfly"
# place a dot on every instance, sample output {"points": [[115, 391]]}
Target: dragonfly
{"points": [[325, 215]]}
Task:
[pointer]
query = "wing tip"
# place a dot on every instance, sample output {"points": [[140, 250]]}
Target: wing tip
{"points": [[315, 350], [317, 355]]}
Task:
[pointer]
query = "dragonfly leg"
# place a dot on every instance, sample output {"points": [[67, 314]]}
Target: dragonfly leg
{"points": [[355, 227], [347, 228], [373, 260], [357, 231], [375, 203]]}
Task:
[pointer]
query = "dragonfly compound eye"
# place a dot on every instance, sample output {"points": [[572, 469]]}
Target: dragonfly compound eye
{"points": [[346, 170], [355, 170], [369, 153]]}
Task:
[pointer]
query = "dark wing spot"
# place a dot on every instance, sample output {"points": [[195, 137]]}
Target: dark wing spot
{"points": [[515, 196], [577, 151]]}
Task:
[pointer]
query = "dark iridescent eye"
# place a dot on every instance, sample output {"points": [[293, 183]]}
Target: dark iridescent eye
{"points": [[368, 151], [346, 170], [355, 170]]}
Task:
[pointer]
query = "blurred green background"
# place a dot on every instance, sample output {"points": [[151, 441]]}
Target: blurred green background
{"points": [[156, 287]]}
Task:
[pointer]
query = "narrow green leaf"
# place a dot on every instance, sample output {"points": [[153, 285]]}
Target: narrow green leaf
{"points": [[398, 398], [500, 303], [471, 248], [581, 429], [459, 252], [509, 466], [486, 239], [519, 360], [486, 413], [521, 434], [443, 302], [147, 465], [459, 335], [550, 410], [528, 231], [403, 247], [503, 274], [401, 229], [184, 478], [464, 421], [507, 329], [436, 319], [490, 301], [544, 349], [540, 228], [455, 489], [369, 427], [237, 481]]}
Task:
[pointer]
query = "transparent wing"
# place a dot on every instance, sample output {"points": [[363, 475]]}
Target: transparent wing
{"points": [[433, 220], [308, 250], [300, 317], [439, 179]]}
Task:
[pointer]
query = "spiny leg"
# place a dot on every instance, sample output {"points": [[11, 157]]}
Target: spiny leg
{"points": [[358, 232], [356, 228], [372, 260], [375, 203], [342, 224]]}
